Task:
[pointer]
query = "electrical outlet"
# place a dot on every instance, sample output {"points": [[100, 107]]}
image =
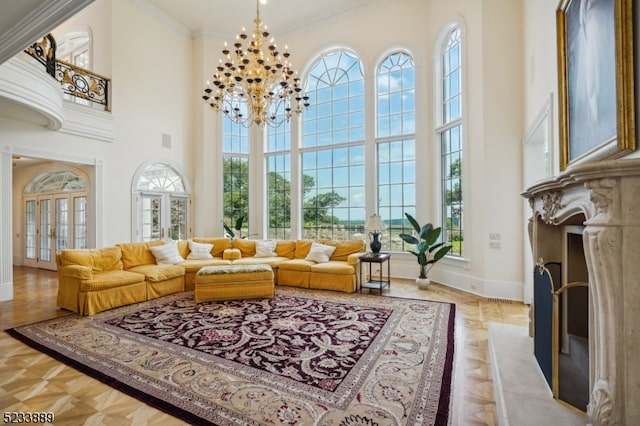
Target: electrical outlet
{"points": [[495, 236], [495, 245]]}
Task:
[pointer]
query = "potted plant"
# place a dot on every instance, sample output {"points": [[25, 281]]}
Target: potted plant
{"points": [[229, 232], [428, 251]]}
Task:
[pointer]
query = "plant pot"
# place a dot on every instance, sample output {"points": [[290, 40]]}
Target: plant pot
{"points": [[423, 283]]}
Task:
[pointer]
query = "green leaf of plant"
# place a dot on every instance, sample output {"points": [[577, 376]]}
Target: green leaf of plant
{"points": [[409, 239], [413, 222]]}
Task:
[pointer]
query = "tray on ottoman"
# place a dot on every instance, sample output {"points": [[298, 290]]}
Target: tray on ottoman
{"points": [[233, 282]]}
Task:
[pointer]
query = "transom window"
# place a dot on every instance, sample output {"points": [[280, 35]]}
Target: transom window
{"points": [[60, 181]]}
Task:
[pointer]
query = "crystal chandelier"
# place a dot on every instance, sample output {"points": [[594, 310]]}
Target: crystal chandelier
{"points": [[254, 82]]}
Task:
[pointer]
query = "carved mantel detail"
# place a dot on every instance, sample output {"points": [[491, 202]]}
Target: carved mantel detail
{"points": [[601, 408], [603, 193], [604, 197], [551, 204]]}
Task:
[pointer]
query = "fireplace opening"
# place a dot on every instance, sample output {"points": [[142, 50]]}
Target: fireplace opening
{"points": [[573, 356], [561, 320]]}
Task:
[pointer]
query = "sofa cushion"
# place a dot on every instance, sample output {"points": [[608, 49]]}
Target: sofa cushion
{"points": [[296, 265], [134, 254], [247, 247], [183, 248], [200, 250], [345, 248], [336, 267], [111, 279], [320, 253], [99, 260], [302, 248], [219, 244], [266, 248], [286, 249], [191, 266], [167, 253], [271, 261], [156, 273]]}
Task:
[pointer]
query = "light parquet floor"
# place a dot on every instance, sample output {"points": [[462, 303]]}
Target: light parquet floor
{"points": [[33, 382]]}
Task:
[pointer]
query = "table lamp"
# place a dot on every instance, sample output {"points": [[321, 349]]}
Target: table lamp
{"points": [[375, 226]]}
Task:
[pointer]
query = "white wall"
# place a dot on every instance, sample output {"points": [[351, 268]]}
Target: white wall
{"points": [[152, 69]]}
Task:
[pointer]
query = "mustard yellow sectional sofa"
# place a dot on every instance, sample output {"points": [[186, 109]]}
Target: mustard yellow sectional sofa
{"points": [[94, 280]]}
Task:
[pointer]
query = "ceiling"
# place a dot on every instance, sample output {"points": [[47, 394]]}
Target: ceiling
{"points": [[229, 16]]}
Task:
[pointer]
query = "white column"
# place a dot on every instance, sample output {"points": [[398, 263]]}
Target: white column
{"points": [[6, 249]]}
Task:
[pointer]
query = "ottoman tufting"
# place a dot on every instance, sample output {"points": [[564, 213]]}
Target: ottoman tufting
{"points": [[233, 282]]}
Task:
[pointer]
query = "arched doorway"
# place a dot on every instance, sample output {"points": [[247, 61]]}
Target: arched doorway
{"points": [[55, 216]]}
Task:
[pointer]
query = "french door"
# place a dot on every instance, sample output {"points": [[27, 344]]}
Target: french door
{"points": [[53, 222], [164, 216]]}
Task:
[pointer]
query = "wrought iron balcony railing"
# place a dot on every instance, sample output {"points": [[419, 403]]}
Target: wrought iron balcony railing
{"points": [[75, 81]]}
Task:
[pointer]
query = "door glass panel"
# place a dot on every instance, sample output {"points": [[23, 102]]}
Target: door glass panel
{"points": [[45, 230], [80, 222], [30, 230], [178, 218], [151, 218], [61, 230]]}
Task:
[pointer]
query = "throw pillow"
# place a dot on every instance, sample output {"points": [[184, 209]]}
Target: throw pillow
{"points": [[320, 253], [266, 248], [200, 251], [167, 253]]}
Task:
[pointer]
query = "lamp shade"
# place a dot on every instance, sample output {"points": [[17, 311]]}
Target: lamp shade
{"points": [[375, 224]]}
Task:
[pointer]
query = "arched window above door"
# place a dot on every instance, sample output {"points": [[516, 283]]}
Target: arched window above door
{"points": [[60, 181], [161, 203], [160, 177]]}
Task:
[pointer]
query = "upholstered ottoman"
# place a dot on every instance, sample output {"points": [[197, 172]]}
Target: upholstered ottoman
{"points": [[233, 282]]}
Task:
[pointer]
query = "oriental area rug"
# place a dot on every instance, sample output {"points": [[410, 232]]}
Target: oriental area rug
{"points": [[301, 358]]}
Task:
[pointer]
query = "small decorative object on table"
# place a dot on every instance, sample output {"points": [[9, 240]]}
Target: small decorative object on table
{"points": [[375, 226]]}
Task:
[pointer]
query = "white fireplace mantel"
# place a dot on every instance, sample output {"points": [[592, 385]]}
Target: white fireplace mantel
{"points": [[604, 197]]}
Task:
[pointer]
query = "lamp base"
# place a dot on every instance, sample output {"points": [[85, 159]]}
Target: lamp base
{"points": [[375, 244]]}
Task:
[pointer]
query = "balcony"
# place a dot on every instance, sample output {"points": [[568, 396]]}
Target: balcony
{"points": [[34, 86]]}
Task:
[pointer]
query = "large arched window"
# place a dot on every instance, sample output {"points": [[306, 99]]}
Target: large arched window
{"points": [[56, 216], [450, 134], [163, 203], [333, 148], [395, 144]]}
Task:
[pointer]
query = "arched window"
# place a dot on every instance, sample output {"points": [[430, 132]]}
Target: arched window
{"points": [[333, 148], [450, 133], [395, 144], [56, 216], [163, 203]]}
